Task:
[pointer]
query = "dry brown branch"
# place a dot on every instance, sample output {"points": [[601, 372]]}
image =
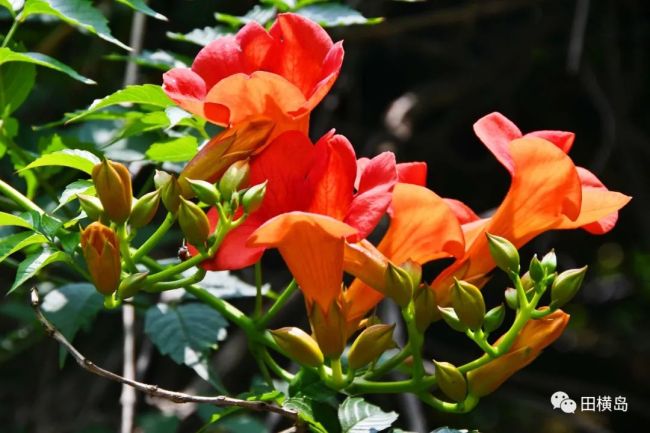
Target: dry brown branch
{"points": [[155, 390]]}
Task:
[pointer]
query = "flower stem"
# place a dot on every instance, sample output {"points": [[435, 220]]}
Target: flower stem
{"points": [[18, 198], [278, 304], [155, 238], [258, 286], [337, 373], [12, 30]]}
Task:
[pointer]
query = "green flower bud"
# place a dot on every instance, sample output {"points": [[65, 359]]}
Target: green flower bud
{"points": [[549, 262], [449, 316], [426, 310], [504, 253], [131, 285], [566, 285], [527, 282], [536, 270], [494, 318], [194, 222], [414, 271], [170, 190], [144, 209], [235, 178], [511, 298], [205, 191], [370, 344], [253, 197], [451, 381], [92, 206], [113, 185], [299, 345], [468, 303], [399, 286]]}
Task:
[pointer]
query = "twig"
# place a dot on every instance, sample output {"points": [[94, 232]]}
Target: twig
{"points": [[155, 390]]}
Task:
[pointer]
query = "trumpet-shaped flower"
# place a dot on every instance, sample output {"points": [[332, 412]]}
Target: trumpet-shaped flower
{"points": [[281, 74]]}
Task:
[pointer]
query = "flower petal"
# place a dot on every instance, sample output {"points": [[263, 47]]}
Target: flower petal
{"points": [[312, 247], [412, 172], [562, 139], [463, 213], [186, 88], [496, 131]]}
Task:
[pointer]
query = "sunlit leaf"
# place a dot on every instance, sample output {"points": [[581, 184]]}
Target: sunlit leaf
{"points": [[7, 219], [78, 13], [141, 6], [16, 83], [202, 36], [175, 150], [259, 14], [147, 94], [33, 263], [335, 14], [12, 6], [73, 158], [7, 56], [17, 241], [358, 416], [161, 60], [77, 187]]}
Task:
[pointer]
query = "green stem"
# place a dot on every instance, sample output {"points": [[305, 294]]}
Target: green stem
{"points": [[416, 341], [390, 364], [279, 371], [124, 248], [18, 198], [12, 30], [258, 286], [443, 406], [278, 304], [171, 285], [155, 238], [337, 373]]}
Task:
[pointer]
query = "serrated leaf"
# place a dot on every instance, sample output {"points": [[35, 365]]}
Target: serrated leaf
{"points": [[175, 115], [70, 308], [73, 158], [33, 263], [7, 219], [70, 192], [306, 411], [7, 56], [78, 13], [258, 14], [202, 36], [15, 242], [185, 332], [148, 94], [141, 6], [16, 83], [175, 150], [225, 285], [358, 416], [161, 60], [335, 14]]}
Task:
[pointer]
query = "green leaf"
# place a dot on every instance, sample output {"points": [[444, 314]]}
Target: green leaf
{"points": [[33, 263], [12, 6], [141, 6], [175, 150], [78, 13], [258, 14], [148, 94], [155, 422], [358, 416], [17, 241], [70, 192], [6, 56], [16, 83], [7, 219], [225, 285], [161, 60], [202, 36], [70, 308], [335, 14], [185, 333], [243, 424], [306, 411], [73, 158]]}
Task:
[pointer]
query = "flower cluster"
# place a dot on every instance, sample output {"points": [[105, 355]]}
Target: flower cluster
{"points": [[322, 202]]}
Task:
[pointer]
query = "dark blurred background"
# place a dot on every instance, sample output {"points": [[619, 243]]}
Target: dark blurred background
{"points": [[414, 84]]}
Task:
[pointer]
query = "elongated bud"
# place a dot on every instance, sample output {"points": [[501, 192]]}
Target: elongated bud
{"points": [[536, 270], [527, 281], [101, 250], [468, 303], [510, 296], [398, 285], [113, 185], [131, 285], [451, 318], [451, 381], [549, 262], [504, 253], [205, 191], [566, 285], [145, 209], [299, 345], [426, 310], [170, 191], [194, 222], [494, 318], [414, 271], [329, 329], [370, 344], [235, 178], [92, 206], [253, 197]]}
